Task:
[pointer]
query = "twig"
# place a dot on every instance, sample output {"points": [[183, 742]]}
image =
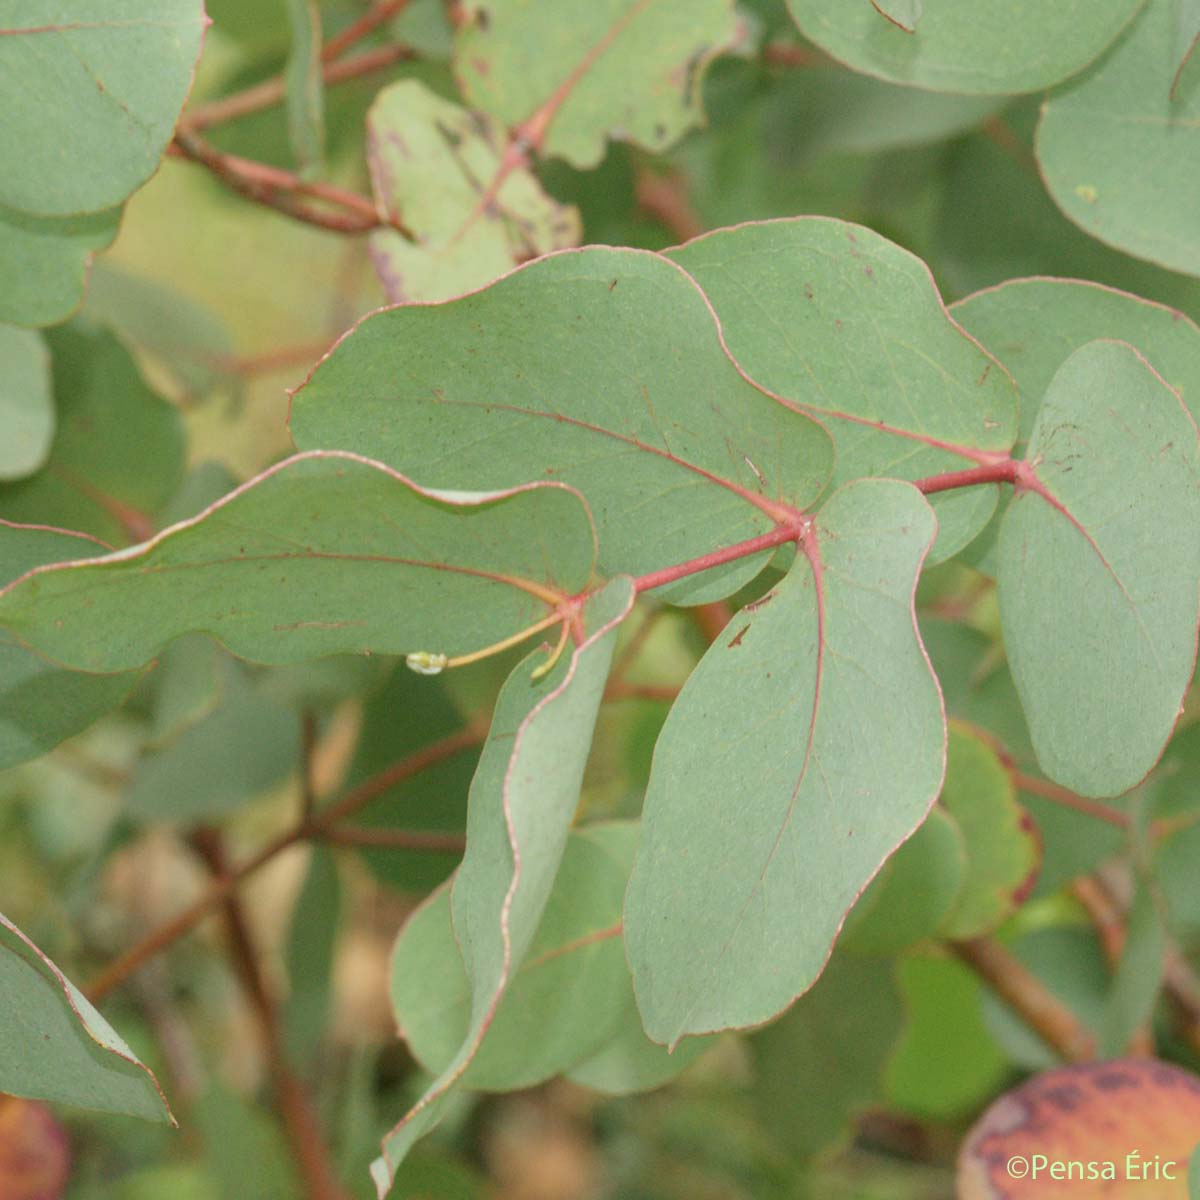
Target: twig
{"points": [[779, 54], [711, 619], [272, 91], [1028, 997], [303, 355], [395, 839], [299, 1120], [276, 188], [1068, 799], [620, 690], [375, 16], [664, 197], [171, 931]]}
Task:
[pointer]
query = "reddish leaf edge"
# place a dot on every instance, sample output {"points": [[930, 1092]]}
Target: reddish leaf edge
{"points": [[65, 988]]}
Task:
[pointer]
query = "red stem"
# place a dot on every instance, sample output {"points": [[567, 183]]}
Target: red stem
{"points": [[1007, 471], [716, 558]]}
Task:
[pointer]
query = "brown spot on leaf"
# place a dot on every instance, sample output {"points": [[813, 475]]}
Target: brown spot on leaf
{"points": [[737, 637]]}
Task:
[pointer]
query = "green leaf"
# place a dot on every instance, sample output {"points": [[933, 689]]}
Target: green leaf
{"points": [[431, 163], [594, 362], [967, 45], [561, 1004], [764, 818], [1033, 325], [849, 328], [324, 553], [248, 743], [588, 70], [311, 949], [41, 705], [186, 682], [55, 1046], [120, 77], [1120, 156], [406, 715], [44, 262], [305, 86], [1003, 851], [630, 1062], [1138, 978], [523, 797], [819, 1066], [903, 13], [26, 403], [914, 892], [118, 451], [1095, 583], [946, 1063]]}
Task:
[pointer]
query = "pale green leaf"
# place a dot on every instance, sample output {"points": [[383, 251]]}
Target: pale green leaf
{"points": [[1138, 977], [1003, 852], [44, 262], [305, 86], [40, 704], [26, 402], [1099, 594], [981, 46], [585, 367], [523, 797], [432, 163], [849, 328], [564, 1000], [1033, 325], [1187, 37], [592, 69], [90, 97], [324, 553], [764, 818], [55, 1046], [1121, 157], [118, 450]]}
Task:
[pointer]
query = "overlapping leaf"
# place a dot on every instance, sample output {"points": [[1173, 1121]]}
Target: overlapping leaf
{"points": [[1121, 155], [805, 747], [325, 553], [40, 704], [848, 327], [904, 13], [561, 1004], [966, 45], [120, 75], [432, 163], [592, 69], [26, 402], [1096, 583], [601, 368], [522, 800], [55, 1046]]}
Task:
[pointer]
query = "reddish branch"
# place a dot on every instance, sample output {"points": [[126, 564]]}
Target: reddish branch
{"points": [[272, 91], [376, 15], [1028, 997], [1068, 799], [284, 191], [299, 1119], [305, 830]]}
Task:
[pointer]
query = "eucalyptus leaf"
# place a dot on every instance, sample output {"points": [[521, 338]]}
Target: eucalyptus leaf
{"points": [[1095, 582], [324, 553], [55, 1046], [26, 402], [763, 820]]}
